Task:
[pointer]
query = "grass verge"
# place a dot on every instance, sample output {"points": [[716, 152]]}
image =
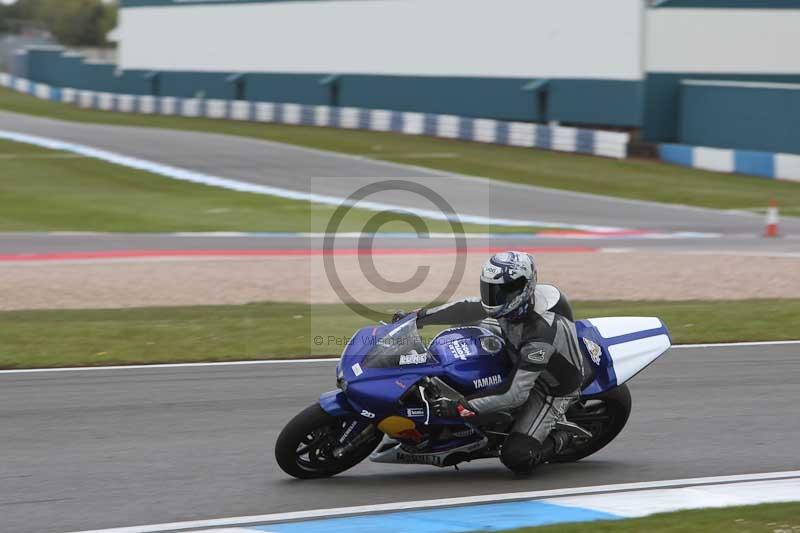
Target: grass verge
{"points": [[58, 338], [767, 518], [48, 190], [636, 179]]}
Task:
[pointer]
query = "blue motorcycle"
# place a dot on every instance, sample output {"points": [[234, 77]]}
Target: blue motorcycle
{"points": [[387, 378]]}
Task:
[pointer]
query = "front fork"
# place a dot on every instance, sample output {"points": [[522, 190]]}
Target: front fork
{"points": [[358, 432]]}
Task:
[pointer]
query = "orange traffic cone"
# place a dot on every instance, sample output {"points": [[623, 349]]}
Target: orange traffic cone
{"points": [[772, 220]]}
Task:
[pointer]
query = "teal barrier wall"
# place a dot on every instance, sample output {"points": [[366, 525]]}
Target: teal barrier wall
{"points": [[500, 98], [662, 98], [749, 118], [571, 101], [53, 67], [608, 102], [191, 84], [611, 102], [304, 88]]}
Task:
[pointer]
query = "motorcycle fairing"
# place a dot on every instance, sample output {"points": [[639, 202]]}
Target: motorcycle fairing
{"points": [[391, 451], [618, 348], [374, 378], [468, 366], [374, 391], [335, 403]]}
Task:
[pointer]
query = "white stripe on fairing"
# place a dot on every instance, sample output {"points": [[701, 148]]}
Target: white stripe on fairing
{"points": [[445, 502], [241, 186], [318, 360], [632, 357], [615, 326]]}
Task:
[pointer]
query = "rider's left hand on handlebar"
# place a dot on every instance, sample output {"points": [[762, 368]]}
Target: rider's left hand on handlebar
{"points": [[398, 316]]}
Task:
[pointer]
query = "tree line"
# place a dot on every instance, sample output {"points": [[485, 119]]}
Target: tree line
{"points": [[71, 22]]}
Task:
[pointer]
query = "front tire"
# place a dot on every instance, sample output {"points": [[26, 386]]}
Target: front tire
{"points": [[605, 416], [304, 448]]}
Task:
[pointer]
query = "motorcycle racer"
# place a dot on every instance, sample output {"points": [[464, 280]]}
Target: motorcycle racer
{"points": [[536, 322]]}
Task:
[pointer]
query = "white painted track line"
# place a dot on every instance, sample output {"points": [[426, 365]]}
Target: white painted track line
{"points": [[183, 174], [444, 502], [319, 360]]}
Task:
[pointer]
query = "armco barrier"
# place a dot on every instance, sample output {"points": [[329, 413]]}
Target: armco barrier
{"points": [[763, 164], [522, 134]]}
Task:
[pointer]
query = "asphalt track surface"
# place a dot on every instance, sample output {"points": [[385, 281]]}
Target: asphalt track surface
{"points": [[105, 448], [329, 173]]}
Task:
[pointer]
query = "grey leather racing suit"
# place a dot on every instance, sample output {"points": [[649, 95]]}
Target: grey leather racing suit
{"points": [[549, 368]]}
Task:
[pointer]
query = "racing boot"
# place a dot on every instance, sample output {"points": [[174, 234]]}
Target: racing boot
{"points": [[521, 454]]}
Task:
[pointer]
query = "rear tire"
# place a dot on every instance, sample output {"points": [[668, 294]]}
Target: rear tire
{"points": [[316, 433], [616, 408]]}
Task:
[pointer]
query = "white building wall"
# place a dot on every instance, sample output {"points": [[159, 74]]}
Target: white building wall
{"points": [[497, 38], [741, 41]]}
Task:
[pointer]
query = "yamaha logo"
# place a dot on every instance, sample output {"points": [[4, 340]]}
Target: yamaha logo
{"points": [[490, 381]]}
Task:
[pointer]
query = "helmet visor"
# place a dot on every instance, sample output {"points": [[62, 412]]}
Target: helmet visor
{"points": [[495, 294]]}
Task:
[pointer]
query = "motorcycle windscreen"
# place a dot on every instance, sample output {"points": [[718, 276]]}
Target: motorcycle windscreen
{"points": [[401, 346], [621, 347]]}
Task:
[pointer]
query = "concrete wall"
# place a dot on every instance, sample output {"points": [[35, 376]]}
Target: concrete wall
{"points": [[443, 38]]}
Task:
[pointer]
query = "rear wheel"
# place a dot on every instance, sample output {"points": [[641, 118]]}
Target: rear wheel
{"points": [[604, 416], [315, 444]]}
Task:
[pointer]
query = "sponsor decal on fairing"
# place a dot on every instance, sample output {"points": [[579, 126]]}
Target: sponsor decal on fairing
{"points": [[490, 381], [594, 351], [413, 359], [459, 349]]}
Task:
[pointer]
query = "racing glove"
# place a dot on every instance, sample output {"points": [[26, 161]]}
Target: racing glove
{"points": [[448, 408], [400, 315]]}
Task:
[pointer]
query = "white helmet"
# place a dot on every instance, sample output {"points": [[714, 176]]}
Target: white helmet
{"points": [[508, 280]]}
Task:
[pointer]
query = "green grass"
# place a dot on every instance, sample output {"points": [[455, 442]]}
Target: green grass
{"points": [[637, 179], [46, 190], [768, 518], [282, 330]]}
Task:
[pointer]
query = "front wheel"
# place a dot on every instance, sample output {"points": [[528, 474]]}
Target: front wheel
{"points": [[604, 416], [315, 444]]}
